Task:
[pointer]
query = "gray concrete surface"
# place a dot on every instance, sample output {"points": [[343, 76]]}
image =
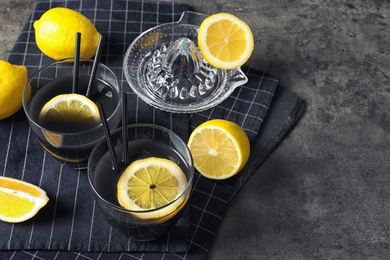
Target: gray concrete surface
{"points": [[324, 193]]}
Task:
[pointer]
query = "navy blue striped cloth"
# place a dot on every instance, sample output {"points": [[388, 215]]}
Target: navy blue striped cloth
{"points": [[70, 226]]}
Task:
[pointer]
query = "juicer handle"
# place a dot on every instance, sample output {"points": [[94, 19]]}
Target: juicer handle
{"points": [[189, 18]]}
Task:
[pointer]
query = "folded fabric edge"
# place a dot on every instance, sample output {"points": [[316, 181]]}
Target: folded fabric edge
{"points": [[285, 111], [291, 107]]}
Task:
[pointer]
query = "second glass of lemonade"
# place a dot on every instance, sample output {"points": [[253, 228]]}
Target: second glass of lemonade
{"points": [[71, 143], [147, 195]]}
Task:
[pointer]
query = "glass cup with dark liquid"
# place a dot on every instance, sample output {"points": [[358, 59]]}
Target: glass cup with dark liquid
{"points": [[71, 143], [144, 141]]}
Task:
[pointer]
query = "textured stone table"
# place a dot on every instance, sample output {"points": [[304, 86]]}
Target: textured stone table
{"points": [[324, 193]]}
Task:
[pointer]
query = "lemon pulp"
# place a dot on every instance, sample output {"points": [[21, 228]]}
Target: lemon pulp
{"points": [[20, 200], [70, 109], [220, 148], [225, 41], [149, 185], [70, 113]]}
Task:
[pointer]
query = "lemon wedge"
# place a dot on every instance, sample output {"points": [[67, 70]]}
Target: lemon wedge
{"points": [[20, 200]]}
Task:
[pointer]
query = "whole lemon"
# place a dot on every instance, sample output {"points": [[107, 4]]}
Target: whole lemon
{"points": [[55, 33], [12, 81]]}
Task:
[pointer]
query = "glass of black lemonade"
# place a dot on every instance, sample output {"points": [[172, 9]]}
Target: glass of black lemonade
{"points": [[71, 142], [148, 142]]}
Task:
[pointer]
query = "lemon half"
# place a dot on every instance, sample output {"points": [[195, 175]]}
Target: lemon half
{"points": [[220, 148], [225, 41]]}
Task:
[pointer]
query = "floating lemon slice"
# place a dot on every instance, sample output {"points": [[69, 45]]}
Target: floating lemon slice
{"points": [[220, 148], [20, 200], [68, 110], [151, 184], [225, 41]]}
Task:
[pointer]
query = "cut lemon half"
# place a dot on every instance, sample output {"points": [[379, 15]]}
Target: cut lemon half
{"points": [[220, 148], [149, 185], [70, 108], [225, 41], [20, 200]]}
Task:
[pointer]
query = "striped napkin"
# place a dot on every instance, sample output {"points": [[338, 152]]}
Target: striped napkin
{"points": [[71, 226]]}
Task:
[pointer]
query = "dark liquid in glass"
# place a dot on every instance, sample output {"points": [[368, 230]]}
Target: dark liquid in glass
{"points": [[72, 149], [105, 180]]}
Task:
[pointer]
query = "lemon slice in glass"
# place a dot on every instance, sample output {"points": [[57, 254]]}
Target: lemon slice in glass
{"points": [[150, 185], [225, 41], [67, 113], [220, 148], [70, 108]]}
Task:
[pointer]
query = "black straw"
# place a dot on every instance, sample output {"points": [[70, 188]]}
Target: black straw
{"points": [[95, 66], [76, 63], [125, 148], [108, 138]]}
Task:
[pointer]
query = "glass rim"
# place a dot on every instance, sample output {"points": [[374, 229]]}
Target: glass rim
{"points": [[122, 209], [100, 125]]}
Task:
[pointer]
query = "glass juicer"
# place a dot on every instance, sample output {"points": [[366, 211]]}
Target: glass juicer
{"points": [[165, 68]]}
